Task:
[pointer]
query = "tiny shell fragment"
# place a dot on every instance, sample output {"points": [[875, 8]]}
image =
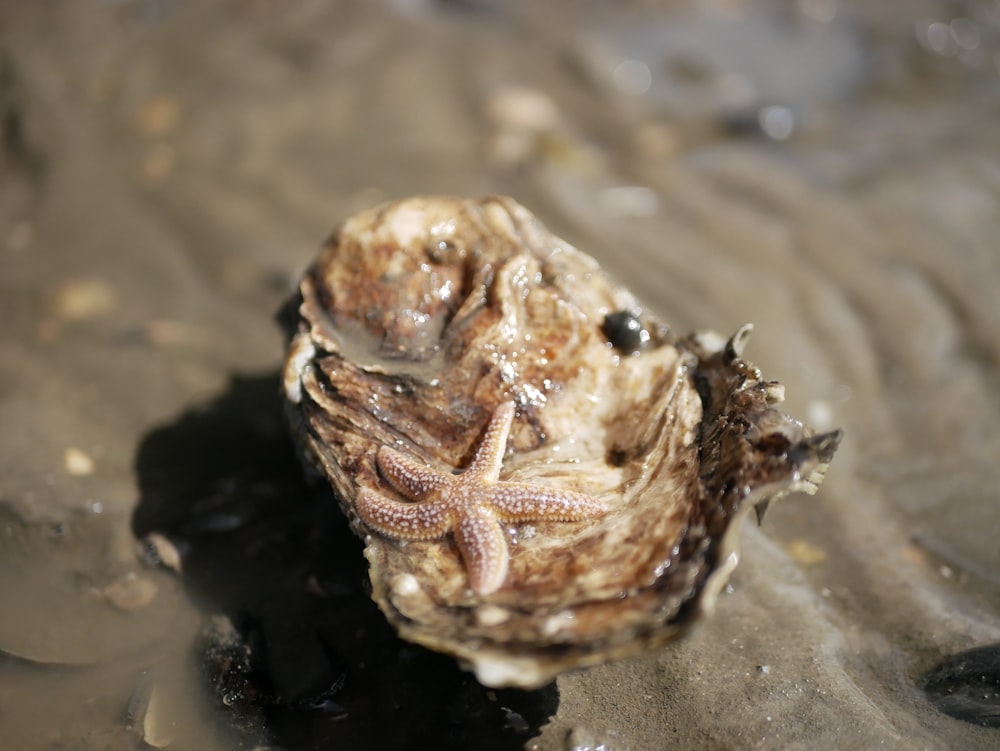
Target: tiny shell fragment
{"points": [[606, 520]]}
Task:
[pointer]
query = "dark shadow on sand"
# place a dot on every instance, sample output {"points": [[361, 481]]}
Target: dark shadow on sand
{"points": [[274, 554]]}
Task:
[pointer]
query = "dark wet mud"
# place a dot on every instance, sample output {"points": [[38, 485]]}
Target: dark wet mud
{"points": [[826, 170]]}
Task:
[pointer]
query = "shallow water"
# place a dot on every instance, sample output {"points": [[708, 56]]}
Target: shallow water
{"points": [[826, 170]]}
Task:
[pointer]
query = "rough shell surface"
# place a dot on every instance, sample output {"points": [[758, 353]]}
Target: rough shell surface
{"points": [[426, 323]]}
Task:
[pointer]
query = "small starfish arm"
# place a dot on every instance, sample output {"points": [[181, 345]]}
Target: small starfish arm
{"points": [[489, 457], [522, 502], [409, 477], [483, 547], [402, 521]]}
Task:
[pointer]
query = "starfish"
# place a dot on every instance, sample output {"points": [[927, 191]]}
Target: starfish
{"points": [[471, 505]]}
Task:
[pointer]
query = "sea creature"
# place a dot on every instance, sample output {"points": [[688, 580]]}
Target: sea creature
{"points": [[545, 476], [471, 504]]}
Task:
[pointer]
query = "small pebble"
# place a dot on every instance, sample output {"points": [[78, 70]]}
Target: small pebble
{"points": [[77, 462], [130, 592], [776, 122], [81, 299], [522, 107], [632, 77]]}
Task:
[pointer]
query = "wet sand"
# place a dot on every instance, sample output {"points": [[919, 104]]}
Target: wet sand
{"points": [[827, 171]]}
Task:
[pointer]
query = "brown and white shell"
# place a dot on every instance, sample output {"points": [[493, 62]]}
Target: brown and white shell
{"points": [[421, 318]]}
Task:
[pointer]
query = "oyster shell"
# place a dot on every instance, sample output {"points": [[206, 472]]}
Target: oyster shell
{"points": [[424, 331]]}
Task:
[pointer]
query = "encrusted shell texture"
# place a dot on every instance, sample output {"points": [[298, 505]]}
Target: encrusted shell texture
{"points": [[427, 322]]}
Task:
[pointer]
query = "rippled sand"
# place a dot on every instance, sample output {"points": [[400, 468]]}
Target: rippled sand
{"points": [[828, 171]]}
